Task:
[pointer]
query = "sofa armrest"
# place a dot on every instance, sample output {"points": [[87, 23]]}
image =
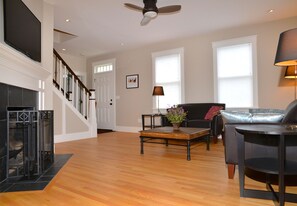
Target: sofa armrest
{"points": [[216, 124]]}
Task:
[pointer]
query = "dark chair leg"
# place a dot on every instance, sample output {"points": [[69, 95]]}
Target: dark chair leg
{"points": [[215, 139], [231, 171]]}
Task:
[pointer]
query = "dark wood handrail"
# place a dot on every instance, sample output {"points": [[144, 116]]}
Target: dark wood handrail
{"points": [[72, 72]]}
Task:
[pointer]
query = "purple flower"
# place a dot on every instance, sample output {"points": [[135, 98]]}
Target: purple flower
{"points": [[176, 114]]}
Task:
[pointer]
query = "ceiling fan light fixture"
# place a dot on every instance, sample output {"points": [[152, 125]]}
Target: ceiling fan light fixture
{"points": [[151, 14], [151, 11]]}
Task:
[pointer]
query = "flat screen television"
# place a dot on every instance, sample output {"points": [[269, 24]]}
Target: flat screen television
{"points": [[22, 30]]}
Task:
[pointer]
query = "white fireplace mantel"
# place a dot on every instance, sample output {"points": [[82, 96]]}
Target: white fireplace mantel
{"points": [[19, 70]]}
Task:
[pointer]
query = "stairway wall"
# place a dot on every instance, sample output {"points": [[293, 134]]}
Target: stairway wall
{"points": [[68, 122]]}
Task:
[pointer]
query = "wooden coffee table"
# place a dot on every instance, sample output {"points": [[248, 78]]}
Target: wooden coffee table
{"points": [[187, 134]]}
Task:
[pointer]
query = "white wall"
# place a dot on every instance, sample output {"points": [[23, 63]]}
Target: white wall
{"points": [[19, 70], [198, 70], [77, 64]]}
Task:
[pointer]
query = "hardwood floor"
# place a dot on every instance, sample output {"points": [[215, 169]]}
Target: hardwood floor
{"points": [[109, 170]]}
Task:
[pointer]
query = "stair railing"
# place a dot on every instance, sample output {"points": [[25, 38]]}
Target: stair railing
{"points": [[70, 85]]}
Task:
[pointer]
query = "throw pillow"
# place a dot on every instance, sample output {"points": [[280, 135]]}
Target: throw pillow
{"points": [[213, 111]]}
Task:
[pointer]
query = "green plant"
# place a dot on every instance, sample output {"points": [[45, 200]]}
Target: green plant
{"points": [[176, 114]]}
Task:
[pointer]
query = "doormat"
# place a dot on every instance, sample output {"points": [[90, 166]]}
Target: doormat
{"points": [[40, 182], [100, 131]]}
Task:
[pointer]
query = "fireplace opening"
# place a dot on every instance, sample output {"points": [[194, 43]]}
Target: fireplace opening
{"points": [[30, 142]]}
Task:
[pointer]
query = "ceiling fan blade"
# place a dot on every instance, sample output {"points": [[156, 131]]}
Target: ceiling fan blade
{"points": [[169, 9], [132, 6], [145, 20]]}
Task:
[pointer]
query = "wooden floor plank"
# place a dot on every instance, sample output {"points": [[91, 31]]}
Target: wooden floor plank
{"points": [[109, 170]]}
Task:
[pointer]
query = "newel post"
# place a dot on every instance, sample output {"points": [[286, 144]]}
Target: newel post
{"points": [[92, 114]]}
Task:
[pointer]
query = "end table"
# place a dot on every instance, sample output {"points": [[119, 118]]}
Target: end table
{"points": [[275, 169], [152, 121]]}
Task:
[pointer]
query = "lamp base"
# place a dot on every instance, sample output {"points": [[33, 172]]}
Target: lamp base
{"points": [[291, 127]]}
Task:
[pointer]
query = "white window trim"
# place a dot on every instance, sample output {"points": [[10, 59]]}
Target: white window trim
{"points": [[242, 40], [165, 53]]}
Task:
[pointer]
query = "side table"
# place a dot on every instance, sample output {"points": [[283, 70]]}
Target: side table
{"points": [[277, 167], [152, 120]]}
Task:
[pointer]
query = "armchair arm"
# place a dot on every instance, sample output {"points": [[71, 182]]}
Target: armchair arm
{"points": [[217, 125]]}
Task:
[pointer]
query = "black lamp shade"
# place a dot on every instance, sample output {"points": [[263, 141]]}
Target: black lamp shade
{"points": [[291, 72], [158, 91], [286, 54]]}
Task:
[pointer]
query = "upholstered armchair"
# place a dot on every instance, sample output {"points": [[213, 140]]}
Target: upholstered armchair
{"points": [[254, 116]]}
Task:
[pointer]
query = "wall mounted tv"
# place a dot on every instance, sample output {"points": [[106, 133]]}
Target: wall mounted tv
{"points": [[22, 30]]}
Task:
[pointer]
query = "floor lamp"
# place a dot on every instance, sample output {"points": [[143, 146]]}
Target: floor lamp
{"points": [[158, 91], [291, 73], [286, 54]]}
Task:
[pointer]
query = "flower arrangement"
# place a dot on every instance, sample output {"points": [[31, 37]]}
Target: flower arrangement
{"points": [[176, 114]]}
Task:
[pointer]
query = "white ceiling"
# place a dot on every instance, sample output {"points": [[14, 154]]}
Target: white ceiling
{"points": [[105, 26]]}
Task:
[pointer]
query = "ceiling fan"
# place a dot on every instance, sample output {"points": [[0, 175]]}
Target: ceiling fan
{"points": [[151, 11]]}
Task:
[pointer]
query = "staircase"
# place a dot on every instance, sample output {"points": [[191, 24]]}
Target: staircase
{"points": [[78, 114]]}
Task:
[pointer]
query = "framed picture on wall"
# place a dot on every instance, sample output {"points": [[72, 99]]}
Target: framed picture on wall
{"points": [[132, 81]]}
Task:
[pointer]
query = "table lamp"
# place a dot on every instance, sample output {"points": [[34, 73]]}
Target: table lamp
{"points": [[286, 54], [291, 73], [158, 91]]}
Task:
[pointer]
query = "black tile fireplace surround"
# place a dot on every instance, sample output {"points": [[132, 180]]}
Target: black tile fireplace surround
{"points": [[11, 96], [26, 136]]}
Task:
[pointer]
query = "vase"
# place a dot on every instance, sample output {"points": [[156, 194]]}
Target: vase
{"points": [[175, 126]]}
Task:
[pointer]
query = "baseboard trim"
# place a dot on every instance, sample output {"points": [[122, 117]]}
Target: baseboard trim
{"points": [[87, 135], [72, 137], [128, 129]]}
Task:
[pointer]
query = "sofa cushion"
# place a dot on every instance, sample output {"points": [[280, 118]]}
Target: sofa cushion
{"points": [[213, 111], [236, 116], [247, 117], [267, 117], [264, 110]]}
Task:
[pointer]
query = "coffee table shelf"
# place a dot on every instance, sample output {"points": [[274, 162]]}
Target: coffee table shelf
{"points": [[186, 134]]}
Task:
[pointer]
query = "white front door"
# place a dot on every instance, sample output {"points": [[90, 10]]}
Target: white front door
{"points": [[105, 99]]}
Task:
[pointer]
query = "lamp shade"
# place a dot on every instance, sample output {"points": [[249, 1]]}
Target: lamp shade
{"points": [[291, 72], [286, 53], [158, 91]]}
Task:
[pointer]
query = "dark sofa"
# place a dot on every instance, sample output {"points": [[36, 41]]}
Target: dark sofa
{"points": [[230, 138], [196, 113]]}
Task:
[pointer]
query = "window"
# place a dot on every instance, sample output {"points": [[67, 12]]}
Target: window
{"points": [[103, 68], [235, 72], [168, 72]]}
